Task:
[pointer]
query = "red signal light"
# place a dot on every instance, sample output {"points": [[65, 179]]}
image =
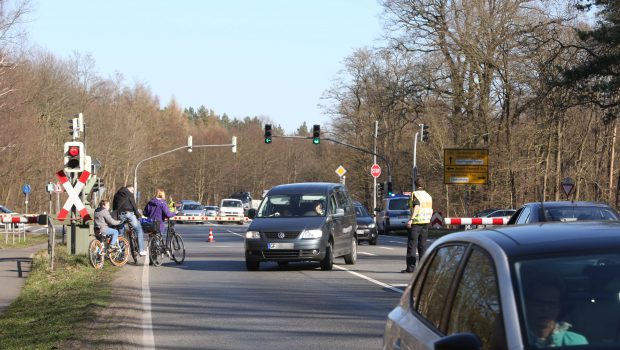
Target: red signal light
{"points": [[74, 151]]}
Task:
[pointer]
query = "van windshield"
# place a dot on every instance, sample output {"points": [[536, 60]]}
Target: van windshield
{"points": [[292, 205]]}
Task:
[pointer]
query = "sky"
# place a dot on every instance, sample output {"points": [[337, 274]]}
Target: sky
{"points": [[272, 58]]}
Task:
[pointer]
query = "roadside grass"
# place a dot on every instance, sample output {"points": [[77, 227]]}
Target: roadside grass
{"points": [[31, 239], [54, 305]]}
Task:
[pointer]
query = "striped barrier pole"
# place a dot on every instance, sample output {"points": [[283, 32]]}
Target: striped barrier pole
{"points": [[475, 221]]}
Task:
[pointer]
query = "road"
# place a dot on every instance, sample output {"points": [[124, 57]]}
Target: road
{"points": [[212, 302]]}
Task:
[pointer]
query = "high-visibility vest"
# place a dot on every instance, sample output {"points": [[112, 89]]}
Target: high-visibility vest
{"points": [[426, 207]]}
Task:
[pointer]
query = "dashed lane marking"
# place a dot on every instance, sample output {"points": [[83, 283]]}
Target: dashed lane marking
{"points": [[388, 248], [148, 341], [365, 253]]}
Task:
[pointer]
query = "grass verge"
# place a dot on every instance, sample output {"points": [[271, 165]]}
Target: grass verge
{"points": [[54, 305], [31, 239]]}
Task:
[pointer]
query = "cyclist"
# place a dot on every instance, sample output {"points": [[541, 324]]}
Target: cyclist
{"points": [[157, 209], [103, 221], [124, 203]]}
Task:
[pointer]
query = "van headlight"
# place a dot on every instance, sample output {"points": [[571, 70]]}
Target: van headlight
{"points": [[371, 225], [252, 235], [311, 234]]}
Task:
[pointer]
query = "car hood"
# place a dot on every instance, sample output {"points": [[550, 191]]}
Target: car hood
{"points": [[364, 220], [286, 224]]}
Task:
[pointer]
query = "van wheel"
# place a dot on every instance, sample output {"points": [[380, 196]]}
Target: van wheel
{"points": [[351, 258], [252, 265], [328, 261], [373, 242]]}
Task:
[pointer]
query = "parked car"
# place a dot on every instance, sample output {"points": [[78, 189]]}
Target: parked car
{"points": [[366, 227], [312, 221], [232, 208], [563, 211], [498, 213], [510, 287], [192, 210], [393, 214], [212, 210]]}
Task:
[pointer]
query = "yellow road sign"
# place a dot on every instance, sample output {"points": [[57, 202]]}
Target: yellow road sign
{"points": [[341, 171], [463, 156], [464, 178]]}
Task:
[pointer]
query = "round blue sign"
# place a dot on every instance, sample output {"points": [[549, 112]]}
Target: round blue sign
{"points": [[26, 189]]}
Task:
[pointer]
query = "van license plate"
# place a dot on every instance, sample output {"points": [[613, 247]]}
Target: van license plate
{"points": [[280, 246]]}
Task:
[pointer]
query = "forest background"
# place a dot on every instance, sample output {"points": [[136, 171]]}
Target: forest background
{"points": [[534, 82]]}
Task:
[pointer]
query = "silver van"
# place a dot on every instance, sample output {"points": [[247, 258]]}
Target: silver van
{"points": [[302, 222]]}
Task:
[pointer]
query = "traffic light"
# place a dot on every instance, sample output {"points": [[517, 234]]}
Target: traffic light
{"points": [[74, 129], [425, 128], [389, 189], [74, 157], [316, 134], [380, 189], [267, 133]]}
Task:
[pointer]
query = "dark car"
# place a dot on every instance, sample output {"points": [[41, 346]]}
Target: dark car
{"points": [[311, 221], [366, 227], [514, 287], [563, 211]]}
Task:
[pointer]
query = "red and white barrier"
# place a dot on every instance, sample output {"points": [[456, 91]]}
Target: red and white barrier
{"points": [[21, 220], [208, 218], [475, 221]]}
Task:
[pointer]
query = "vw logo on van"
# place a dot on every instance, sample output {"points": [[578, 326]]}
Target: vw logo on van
{"points": [[281, 235]]}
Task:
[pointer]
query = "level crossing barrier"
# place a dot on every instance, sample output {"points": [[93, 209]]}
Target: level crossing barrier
{"points": [[476, 221], [15, 225], [209, 218]]}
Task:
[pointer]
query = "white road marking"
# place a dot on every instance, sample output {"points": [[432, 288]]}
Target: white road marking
{"points": [[364, 253], [39, 229], [384, 285], [388, 248], [148, 341], [399, 242], [236, 234]]}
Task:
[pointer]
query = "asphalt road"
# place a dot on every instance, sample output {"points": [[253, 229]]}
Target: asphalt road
{"points": [[212, 302]]}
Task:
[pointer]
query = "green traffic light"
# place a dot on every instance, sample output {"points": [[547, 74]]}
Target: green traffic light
{"points": [[267, 139], [316, 140]]}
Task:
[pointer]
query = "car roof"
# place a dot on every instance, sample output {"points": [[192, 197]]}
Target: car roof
{"points": [[303, 187], [568, 204], [546, 237]]}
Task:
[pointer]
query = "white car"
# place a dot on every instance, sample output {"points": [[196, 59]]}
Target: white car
{"points": [[230, 207]]}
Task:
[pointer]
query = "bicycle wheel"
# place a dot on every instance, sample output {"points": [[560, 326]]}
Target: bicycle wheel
{"points": [[133, 243], [119, 256], [95, 253], [178, 249], [156, 248]]}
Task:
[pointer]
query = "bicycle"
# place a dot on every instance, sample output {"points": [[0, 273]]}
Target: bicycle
{"points": [[173, 247], [126, 229], [100, 248]]}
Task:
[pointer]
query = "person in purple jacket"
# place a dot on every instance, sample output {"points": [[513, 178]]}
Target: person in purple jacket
{"points": [[157, 209]]}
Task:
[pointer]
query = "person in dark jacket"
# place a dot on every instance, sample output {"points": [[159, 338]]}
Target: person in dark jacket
{"points": [[125, 204], [157, 209]]}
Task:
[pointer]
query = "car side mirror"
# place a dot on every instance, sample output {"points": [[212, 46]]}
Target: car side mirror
{"points": [[252, 213], [339, 213], [377, 210], [459, 341]]}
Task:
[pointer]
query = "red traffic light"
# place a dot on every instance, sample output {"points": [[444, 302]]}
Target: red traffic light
{"points": [[74, 151]]}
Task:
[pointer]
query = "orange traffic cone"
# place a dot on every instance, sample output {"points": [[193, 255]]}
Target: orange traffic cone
{"points": [[211, 239]]}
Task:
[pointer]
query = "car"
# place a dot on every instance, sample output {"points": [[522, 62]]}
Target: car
{"points": [[231, 207], [563, 211], [312, 221], [193, 210], [211, 210], [366, 227], [393, 214], [245, 198], [509, 287]]}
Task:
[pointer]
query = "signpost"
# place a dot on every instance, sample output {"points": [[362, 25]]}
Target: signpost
{"points": [[341, 171], [568, 185], [375, 170], [466, 166], [26, 190]]}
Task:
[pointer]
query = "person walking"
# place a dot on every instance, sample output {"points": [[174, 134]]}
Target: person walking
{"points": [[421, 205], [125, 204]]}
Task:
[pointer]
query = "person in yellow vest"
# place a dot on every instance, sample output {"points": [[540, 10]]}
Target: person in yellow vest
{"points": [[171, 205], [421, 205]]}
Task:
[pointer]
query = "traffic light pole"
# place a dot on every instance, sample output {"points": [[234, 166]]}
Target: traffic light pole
{"points": [[188, 147], [415, 167]]}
